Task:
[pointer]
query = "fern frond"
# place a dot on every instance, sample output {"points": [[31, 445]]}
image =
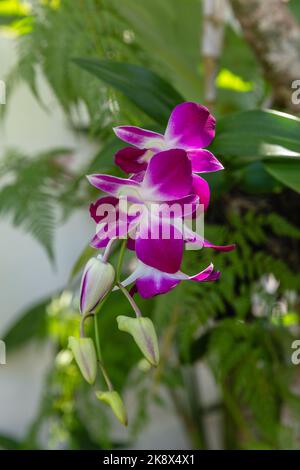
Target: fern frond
{"points": [[29, 192]]}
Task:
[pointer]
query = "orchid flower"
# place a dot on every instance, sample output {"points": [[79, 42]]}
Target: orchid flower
{"points": [[156, 211], [149, 281], [191, 127], [167, 180]]}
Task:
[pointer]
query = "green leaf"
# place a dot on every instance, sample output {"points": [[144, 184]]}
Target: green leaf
{"points": [[255, 135], [9, 443], [31, 324], [144, 88], [287, 171]]}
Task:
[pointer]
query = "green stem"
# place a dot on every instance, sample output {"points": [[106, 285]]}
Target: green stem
{"points": [[120, 261], [84, 317], [97, 338], [99, 355], [130, 300], [100, 306]]}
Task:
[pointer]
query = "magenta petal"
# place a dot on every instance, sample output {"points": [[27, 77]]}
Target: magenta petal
{"points": [[201, 188], [141, 138], [191, 126], [130, 160], [100, 208], [179, 208], [131, 244], [112, 184], [213, 277], [111, 229], [156, 283], [168, 176], [204, 161], [159, 245], [99, 243], [208, 274], [207, 244]]}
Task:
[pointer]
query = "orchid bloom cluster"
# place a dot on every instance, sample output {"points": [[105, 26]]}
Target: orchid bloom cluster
{"points": [[153, 213]]}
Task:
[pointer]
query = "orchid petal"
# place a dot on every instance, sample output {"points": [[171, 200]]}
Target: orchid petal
{"points": [[140, 138], [131, 160], [103, 202], [159, 244], [110, 229], [201, 188], [177, 209], [149, 286], [114, 185], [204, 161], [191, 126], [208, 274], [224, 248], [150, 281], [168, 176]]}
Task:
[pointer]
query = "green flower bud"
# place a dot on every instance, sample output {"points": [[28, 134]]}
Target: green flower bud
{"points": [[113, 399], [84, 353], [144, 335], [97, 279]]}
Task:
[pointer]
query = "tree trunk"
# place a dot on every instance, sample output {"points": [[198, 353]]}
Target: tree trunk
{"points": [[274, 35], [214, 16]]}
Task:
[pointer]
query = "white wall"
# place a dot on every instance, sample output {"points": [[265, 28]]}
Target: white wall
{"points": [[25, 272]]}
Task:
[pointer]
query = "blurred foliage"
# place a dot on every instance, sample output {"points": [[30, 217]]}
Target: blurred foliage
{"points": [[29, 191], [143, 57]]}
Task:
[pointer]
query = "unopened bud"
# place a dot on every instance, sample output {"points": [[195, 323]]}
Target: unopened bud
{"points": [[144, 334], [84, 353], [113, 399], [97, 280]]}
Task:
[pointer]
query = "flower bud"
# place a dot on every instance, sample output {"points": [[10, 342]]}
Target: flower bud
{"points": [[84, 353], [143, 333], [97, 280], [113, 399]]}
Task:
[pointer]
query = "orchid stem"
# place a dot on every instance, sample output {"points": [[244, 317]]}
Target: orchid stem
{"points": [[99, 354], [130, 300], [84, 317], [120, 261], [101, 304], [97, 338]]}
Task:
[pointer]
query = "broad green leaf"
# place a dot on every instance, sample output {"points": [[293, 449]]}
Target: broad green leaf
{"points": [[145, 89], [255, 135], [287, 171], [171, 28], [31, 324]]}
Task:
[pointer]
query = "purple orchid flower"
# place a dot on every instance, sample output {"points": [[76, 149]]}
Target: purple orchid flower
{"points": [[149, 281], [167, 180], [191, 127]]}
